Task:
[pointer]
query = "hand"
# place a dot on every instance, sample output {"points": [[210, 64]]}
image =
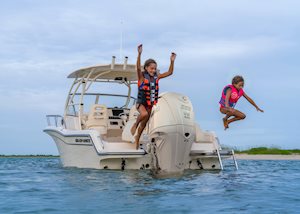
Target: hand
{"points": [[258, 109], [140, 48], [173, 57], [229, 109]]}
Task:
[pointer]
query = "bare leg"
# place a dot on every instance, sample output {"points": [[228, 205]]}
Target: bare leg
{"points": [[140, 131], [237, 115], [141, 128], [225, 123], [143, 114], [225, 119]]}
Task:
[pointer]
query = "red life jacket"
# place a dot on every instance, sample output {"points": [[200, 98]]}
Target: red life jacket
{"points": [[148, 90], [234, 97]]}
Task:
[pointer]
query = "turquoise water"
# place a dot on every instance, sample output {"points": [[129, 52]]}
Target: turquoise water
{"points": [[33, 185]]}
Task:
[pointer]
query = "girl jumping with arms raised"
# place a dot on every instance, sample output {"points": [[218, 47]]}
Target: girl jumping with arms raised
{"points": [[230, 95], [147, 91]]}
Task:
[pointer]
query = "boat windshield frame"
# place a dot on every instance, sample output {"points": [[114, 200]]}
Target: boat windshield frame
{"points": [[81, 85]]}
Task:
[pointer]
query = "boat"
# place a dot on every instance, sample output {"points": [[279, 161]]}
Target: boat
{"points": [[95, 133]]}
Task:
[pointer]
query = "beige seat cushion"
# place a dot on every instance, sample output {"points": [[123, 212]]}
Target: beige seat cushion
{"points": [[133, 113], [98, 118]]}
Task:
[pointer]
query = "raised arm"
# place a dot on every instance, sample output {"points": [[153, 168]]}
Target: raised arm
{"points": [[171, 68], [138, 62], [252, 102]]}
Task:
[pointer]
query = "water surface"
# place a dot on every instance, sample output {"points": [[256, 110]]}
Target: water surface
{"points": [[41, 185]]}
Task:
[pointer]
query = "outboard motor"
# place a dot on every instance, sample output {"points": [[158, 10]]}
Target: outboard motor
{"points": [[172, 132]]}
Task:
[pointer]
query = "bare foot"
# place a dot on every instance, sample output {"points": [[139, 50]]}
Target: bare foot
{"points": [[225, 122], [133, 129]]}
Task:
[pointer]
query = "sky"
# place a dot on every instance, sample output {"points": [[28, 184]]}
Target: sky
{"points": [[42, 41]]}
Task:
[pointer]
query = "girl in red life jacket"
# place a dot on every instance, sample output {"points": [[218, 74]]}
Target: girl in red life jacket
{"points": [[230, 95], [147, 91]]}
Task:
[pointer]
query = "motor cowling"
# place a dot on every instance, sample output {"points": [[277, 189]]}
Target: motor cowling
{"points": [[171, 130]]}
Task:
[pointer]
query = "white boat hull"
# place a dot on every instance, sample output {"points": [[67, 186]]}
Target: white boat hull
{"points": [[79, 150]]}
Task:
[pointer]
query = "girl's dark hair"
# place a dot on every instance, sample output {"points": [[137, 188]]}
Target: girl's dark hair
{"points": [[148, 62], [237, 79]]}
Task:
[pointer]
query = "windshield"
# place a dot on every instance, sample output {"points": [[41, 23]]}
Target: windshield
{"points": [[110, 100], [111, 94]]}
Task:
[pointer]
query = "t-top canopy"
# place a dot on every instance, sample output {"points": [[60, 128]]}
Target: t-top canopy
{"points": [[107, 72]]}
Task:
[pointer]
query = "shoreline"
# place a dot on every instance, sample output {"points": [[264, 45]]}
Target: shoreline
{"points": [[240, 156], [28, 156], [267, 157]]}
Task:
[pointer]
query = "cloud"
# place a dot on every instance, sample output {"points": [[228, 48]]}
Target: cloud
{"points": [[33, 100], [42, 43], [228, 49]]}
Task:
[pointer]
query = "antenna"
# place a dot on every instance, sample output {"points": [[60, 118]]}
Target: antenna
{"points": [[121, 39]]}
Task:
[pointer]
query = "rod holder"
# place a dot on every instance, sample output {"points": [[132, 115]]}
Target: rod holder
{"points": [[125, 63], [113, 60]]}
